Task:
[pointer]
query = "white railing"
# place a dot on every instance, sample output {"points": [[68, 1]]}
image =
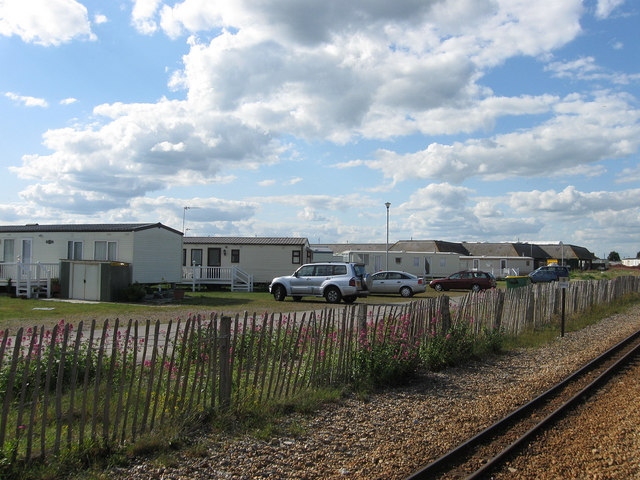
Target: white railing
{"points": [[235, 277], [29, 278]]}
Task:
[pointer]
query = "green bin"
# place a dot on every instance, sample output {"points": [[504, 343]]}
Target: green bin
{"points": [[518, 281]]}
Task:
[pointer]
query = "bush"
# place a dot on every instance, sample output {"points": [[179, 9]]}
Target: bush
{"points": [[135, 292], [386, 355], [458, 345]]}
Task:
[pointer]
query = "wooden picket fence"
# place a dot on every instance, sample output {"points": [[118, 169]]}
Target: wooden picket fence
{"points": [[112, 383]]}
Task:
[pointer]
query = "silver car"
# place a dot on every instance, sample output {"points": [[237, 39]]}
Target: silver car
{"points": [[402, 283], [334, 281]]}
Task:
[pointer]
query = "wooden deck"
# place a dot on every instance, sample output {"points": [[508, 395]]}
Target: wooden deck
{"points": [[234, 277]]}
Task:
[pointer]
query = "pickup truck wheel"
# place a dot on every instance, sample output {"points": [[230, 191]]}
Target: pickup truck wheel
{"points": [[406, 292], [333, 295], [279, 293]]}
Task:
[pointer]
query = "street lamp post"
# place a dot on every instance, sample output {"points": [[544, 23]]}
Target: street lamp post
{"points": [[184, 213], [388, 204], [562, 253]]}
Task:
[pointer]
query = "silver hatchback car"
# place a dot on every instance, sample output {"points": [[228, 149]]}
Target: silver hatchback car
{"points": [[402, 283]]}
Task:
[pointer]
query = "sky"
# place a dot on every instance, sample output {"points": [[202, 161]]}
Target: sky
{"points": [[477, 120]]}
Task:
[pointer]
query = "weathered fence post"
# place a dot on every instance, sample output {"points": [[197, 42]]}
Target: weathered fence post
{"points": [[225, 366], [362, 317]]}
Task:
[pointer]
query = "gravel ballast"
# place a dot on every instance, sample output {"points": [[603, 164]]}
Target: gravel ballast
{"points": [[396, 432]]}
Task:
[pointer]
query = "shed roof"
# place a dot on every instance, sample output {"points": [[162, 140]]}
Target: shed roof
{"points": [[83, 227], [297, 241]]}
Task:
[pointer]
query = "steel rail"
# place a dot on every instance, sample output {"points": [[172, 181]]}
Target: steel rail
{"points": [[444, 463]]}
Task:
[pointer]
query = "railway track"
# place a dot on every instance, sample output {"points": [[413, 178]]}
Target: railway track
{"points": [[486, 452]]}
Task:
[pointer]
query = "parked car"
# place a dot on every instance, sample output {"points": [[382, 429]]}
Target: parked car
{"points": [[549, 273], [465, 280], [334, 281], [402, 283]]}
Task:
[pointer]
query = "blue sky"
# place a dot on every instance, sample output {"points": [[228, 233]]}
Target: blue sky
{"points": [[496, 120]]}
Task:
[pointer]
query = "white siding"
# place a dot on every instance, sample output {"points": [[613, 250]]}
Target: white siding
{"points": [[514, 265], [440, 264], [264, 262], [51, 247], [158, 256]]}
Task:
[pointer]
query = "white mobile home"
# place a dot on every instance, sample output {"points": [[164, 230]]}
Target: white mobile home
{"points": [[152, 249], [263, 258], [500, 267], [422, 264]]}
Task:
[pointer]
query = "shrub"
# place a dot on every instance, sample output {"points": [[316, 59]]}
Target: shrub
{"points": [[387, 354], [135, 292]]}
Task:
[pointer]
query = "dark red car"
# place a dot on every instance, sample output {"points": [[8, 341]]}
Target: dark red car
{"points": [[465, 280]]}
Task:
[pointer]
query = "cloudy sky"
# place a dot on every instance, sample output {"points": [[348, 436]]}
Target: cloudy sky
{"points": [[478, 120]]}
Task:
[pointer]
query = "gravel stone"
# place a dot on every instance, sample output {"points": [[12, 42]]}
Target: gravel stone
{"points": [[396, 432]]}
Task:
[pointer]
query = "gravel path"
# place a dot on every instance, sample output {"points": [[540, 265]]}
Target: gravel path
{"points": [[395, 433]]}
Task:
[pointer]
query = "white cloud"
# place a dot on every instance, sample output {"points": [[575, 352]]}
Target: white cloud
{"points": [[45, 22], [142, 15], [68, 101], [99, 19], [142, 148], [267, 182], [605, 7], [374, 71], [585, 68], [571, 202], [584, 131], [26, 100]]}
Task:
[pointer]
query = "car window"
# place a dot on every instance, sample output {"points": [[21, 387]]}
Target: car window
{"points": [[456, 275], [323, 270], [394, 276], [339, 269], [360, 270], [467, 275], [305, 271]]}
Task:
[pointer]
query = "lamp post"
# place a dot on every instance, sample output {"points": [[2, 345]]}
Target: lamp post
{"points": [[388, 204], [184, 213], [562, 253]]}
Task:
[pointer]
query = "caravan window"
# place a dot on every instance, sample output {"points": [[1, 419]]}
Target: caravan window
{"points": [[74, 250], [8, 250], [196, 257], [104, 250]]}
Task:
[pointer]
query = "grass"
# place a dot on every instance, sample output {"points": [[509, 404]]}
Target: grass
{"points": [[534, 338], [17, 312]]}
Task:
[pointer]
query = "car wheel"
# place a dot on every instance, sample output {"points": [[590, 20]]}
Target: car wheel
{"points": [[438, 287], [297, 299], [476, 288], [279, 293], [406, 292], [333, 295], [350, 298]]}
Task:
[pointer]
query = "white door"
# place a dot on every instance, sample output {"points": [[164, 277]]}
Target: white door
{"points": [[85, 281], [26, 250]]}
